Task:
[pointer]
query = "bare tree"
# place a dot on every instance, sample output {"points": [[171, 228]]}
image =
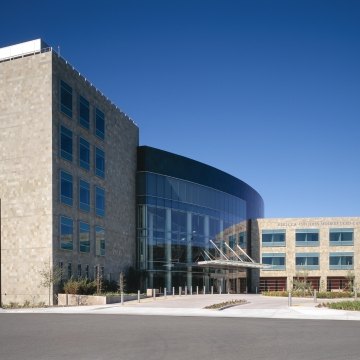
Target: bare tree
{"points": [[50, 276]]}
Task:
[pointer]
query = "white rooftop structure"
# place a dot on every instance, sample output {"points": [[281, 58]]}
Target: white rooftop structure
{"points": [[22, 49]]}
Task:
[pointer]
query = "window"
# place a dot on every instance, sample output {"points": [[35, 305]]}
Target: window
{"points": [[273, 238], [307, 237], [84, 113], [69, 270], [79, 271], [341, 261], [84, 195], [66, 188], [99, 201], [66, 149], [84, 154], [84, 237], [66, 233], [100, 241], [307, 261], [242, 240], [342, 237], [99, 124], [66, 98], [99, 162], [232, 241], [276, 261], [87, 271]]}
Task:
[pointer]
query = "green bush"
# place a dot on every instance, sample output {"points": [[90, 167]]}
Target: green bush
{"points": [[319, 295], [80, 287], [353, 305]]}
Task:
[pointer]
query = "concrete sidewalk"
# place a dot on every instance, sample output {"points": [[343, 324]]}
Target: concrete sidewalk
{"points": [[258, 306]]}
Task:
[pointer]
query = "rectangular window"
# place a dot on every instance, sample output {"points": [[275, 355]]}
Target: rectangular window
{"points": [[341, 261], [66, 149], [100, 241], [243, 240], [84, 113], [273, 238], [69, 270], [99, 201], [84, 195], [307, 237], [341, 237], [87, 271], [84, 237], [66, 233], [99, 124], [84, 154], [79, 271], [276, 261], [232, 241], [66, 98], [99, 162], [307, 261], [66, 188]]}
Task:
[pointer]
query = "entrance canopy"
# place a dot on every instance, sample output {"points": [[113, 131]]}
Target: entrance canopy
{"points": [[236, 261]]}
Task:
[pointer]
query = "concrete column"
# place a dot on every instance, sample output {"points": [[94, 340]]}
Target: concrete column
{"points": [[168, 248], [189, 248], [150, 251], [207, 245]]}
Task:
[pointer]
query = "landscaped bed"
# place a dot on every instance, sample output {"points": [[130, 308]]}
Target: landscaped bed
{"points": [[352, 305], [226, 304], [319, 295]]}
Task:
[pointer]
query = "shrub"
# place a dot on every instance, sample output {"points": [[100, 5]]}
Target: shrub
{"points": [[319, 295], [353, 305]]}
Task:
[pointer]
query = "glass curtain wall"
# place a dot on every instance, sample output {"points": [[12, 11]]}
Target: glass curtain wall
{"points": [[176, 221]]}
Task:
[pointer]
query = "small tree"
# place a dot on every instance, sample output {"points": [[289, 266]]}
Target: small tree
{"points": [[302, 284], [350, 276], [98, 280], [50, 276]]}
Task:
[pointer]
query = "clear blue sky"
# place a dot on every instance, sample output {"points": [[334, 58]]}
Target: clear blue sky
{"points": [[268, 91]]}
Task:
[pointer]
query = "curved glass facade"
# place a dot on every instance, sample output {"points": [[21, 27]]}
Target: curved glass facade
{"points": [[179, 217]]}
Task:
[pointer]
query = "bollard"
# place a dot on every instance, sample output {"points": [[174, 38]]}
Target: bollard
{"points": [[197, 290], [180, 290], [220, 290], [122, 298], [204, 290], [256, 290], [154, 294], [191, 290], [212, 290], [228, 290], [165, 293], [138, 296], [315, 298], [185, 290], [289, 300], [173, 291]]}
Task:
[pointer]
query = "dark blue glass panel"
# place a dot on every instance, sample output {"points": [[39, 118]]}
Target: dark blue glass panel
{"points": [[66, 150], [84, 237], [66, 233], [84, 113], [99, 201], [99, 162], [99, 124], [66, 99], [84, 154], [84, 195], [66, 188]]}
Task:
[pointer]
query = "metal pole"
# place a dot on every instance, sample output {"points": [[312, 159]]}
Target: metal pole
{"points": [[212, 290], [191, 290], [185, 290], [197, 290], [165, 293], [179, 290], [154, 294], [138, 296], [289, 299], [122, 298], [204, 290], [315, 298], [173, 291]]}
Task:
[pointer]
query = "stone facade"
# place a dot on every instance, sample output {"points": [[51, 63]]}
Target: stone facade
{"points": [[30, 163], [324, 248]]}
